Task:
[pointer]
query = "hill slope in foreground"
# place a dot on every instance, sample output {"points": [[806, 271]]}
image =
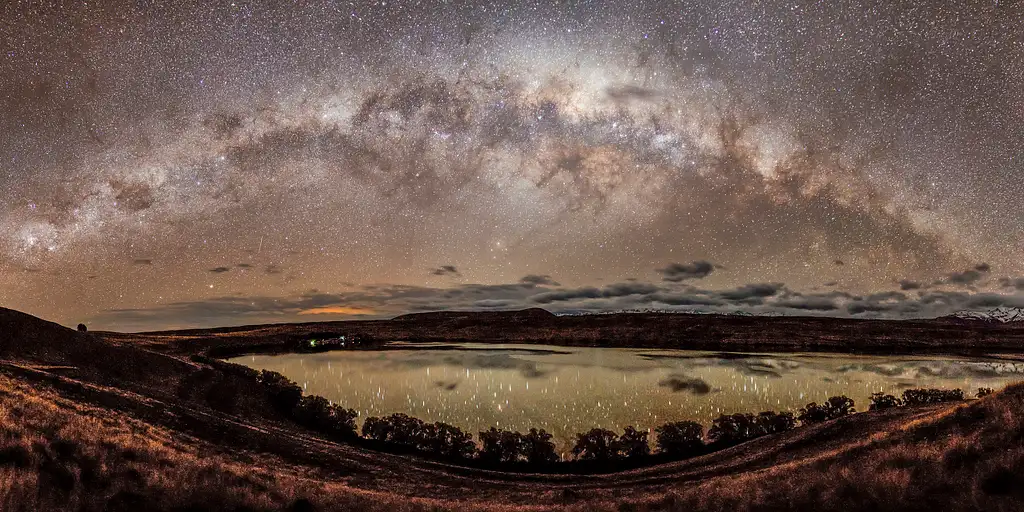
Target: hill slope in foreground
{"points": [[92, 424]]}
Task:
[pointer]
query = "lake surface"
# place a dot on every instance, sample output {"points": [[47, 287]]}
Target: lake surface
{"points": [[566, 390]]}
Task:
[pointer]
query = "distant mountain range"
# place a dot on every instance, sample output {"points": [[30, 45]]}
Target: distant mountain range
{"points": [[1001, 315]]}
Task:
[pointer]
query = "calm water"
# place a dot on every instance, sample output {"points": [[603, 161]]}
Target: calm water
{"points": [[569, 390]]}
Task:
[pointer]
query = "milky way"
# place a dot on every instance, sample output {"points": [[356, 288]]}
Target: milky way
{"points": [[165, 165]]}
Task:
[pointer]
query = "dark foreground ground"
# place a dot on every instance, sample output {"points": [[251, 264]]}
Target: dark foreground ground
{"points": [[95, 422]]}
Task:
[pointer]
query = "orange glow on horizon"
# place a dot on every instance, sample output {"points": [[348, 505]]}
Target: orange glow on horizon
{"points": [[337, 310]]}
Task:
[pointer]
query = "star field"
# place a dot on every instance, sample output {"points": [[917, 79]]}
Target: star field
{"points": [[566, 391], [167, 165]]}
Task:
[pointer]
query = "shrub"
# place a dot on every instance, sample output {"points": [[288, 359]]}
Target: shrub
{"points": [[444, 440], [82, 328], [632, 444], [538, 449], [230, 368], [881, 401], [771, 422], [931, 396], [503, 446], [680, 438], [316, 413], [730, 429], [397, 429], [283, 393], [596, 445], [831, 409], [214, 389], [983, 392]]}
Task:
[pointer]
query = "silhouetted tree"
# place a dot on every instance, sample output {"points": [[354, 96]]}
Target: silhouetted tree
{"points": [[397, 429], [680, 438], [444, 440], [831, 409], [632, 444], [283, 393], [931, 396], [597, 445], [881, 401], [316, 413], [771, 422], [983, 392], [501, 446], [538, 448], [730, 429], [82, 328]]}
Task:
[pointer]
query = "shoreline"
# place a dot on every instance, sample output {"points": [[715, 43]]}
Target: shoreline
{"points": [[282, 349], [716, 333]]}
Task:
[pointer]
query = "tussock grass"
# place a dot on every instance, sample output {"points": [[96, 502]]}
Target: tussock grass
{"points": [[57, 454], [967, 457]]}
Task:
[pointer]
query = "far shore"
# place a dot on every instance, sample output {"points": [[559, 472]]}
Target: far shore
{"points": [[714, 333]]}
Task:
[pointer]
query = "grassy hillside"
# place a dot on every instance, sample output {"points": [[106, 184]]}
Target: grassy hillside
{"points": [[61, 454], [58, 454], [91, 423]]}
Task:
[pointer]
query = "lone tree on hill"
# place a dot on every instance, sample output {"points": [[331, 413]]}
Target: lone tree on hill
{"points": [[82, 328]]}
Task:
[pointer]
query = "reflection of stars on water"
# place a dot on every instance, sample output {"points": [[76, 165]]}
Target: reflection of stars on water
{"points": [[574, 393]]}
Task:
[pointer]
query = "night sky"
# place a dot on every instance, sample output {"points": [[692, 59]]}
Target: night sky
{"points": [[166, 165]]}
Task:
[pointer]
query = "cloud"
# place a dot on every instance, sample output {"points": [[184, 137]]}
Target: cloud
{"points": [[477, 361], [682, 383], [590, 292], [445, 270], [969, 277], [906, 284], [142, 261], [914, 370], [752, 291], [384, 300], [219, 270], [877, 302], [244, 266], [810, 303], [761, 367], [538, 280], [1013, 283], [677, 272]]}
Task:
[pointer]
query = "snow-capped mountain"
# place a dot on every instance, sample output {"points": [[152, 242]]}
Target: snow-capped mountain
{"points": [[1002, 315]]}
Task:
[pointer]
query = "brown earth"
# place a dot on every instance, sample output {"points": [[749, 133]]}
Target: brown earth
{"points": [[640, 330], [97, 421]]}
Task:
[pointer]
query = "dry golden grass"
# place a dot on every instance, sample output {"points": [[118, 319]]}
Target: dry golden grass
{"points": [[56, 454], [91, 423], [59, 454], [966, 457]]}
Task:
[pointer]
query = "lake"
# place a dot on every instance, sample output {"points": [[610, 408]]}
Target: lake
{"points": [[566, 390]]}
